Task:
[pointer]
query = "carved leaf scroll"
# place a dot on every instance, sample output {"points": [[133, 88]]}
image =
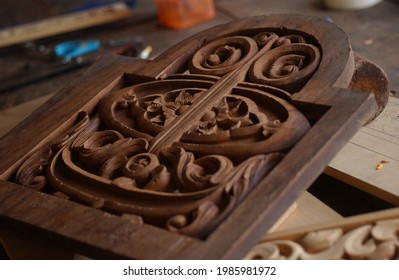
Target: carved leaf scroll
{"points": [[31, 172], [378, 240]]}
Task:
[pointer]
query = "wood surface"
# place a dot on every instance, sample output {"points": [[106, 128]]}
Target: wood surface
{"points": [[13, 116], [302, 124], [63, 24], [305, 212], [356, 164]]}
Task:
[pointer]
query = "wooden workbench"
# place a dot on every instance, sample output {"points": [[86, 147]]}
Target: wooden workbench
{"points": [[373, 33]]}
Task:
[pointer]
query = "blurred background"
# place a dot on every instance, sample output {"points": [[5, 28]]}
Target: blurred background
{"points": [[373, 32]]}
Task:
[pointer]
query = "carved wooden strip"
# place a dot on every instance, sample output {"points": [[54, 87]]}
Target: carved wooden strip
{"points": [[369, 236]]}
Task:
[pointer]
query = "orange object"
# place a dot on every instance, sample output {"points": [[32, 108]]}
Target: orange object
{"points": [[179, 14]]}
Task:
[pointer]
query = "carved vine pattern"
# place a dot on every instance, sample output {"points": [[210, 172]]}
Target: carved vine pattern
{"points": [[379, 240], [191, 185]]}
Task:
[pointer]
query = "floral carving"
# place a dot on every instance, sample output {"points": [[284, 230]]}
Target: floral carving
{"points": [[97, 148], [230, 113], [125, 158], [148, 173], [160, 110], [111, 172], [144, 110], [31, 173], [239, 120], [235, 186], [195, 175]]}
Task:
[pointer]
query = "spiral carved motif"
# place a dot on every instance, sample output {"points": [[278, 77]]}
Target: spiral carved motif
{"points": [[31, 172], [286, 62], [224, 55], [193, 194], [288, 66]]}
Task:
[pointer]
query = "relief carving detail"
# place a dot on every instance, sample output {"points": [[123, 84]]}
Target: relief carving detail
{"points": [[379, 240], [183, 152]]}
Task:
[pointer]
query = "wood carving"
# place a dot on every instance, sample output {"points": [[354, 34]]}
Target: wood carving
{"points": [[182, 141], [187, 186], [375, 240]]}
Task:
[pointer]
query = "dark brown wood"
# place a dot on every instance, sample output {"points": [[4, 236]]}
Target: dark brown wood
{"points": [[200, 149]]}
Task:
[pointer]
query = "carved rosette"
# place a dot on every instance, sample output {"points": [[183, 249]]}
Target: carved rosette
{"points": [[261, 122], [216, 143], [144, 110], [379, 240]]}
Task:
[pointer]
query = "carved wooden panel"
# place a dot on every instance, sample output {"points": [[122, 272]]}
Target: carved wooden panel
{"points": [[204, 146]]}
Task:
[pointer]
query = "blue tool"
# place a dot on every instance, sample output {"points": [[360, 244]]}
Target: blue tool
{"points": [[73, 49], [92, 4]]}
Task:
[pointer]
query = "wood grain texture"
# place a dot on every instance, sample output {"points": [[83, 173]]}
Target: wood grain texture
{"points": [[356, 164], [114, 237], [203, 164], [62, 24], [306, 211], [12, 116]]}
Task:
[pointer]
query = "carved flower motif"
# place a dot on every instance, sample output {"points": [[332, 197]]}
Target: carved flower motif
{"points": [[163, 109], [230, 113]]}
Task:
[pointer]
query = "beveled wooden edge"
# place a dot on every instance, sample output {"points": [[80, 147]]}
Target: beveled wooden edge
{"points": [[114, 237]]}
